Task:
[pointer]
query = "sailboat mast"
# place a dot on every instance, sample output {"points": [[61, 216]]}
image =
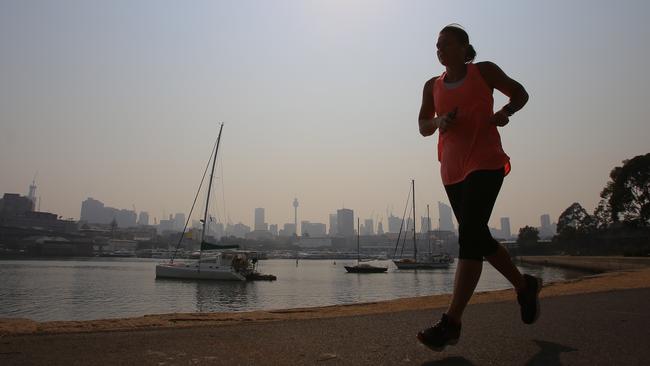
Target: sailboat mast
{"points": [[429, 229], [415, 244], [207, 200], [358, 248]]}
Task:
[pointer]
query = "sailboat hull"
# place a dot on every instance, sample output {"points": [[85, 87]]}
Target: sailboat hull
{"points": [[420, 265], [192, 272], [365, 269]]}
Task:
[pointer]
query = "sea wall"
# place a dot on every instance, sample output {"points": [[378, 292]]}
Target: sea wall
{"points": [[592, 264]]}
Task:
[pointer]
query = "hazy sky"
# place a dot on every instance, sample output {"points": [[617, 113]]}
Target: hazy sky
{"points": [[121, 101]]}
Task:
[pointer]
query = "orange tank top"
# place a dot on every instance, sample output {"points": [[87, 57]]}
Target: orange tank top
{"points": [[471, 143]]}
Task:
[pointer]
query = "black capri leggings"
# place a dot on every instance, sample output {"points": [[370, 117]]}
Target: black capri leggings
{"points": [[472, 201]]}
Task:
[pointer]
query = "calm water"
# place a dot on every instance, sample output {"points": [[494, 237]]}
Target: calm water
{"points": [[109, 288]]}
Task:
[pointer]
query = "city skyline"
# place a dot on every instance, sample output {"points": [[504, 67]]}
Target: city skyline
{"points": [[319, 99], [445, 221]]}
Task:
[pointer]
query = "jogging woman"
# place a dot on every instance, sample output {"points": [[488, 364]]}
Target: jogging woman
{"points": [[459, 105]]}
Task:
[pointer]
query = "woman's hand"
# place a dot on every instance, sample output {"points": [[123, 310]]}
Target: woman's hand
{"points": [[500, 118], [445, 121]]}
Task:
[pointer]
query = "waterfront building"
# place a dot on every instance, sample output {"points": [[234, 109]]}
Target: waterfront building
{"points": [[15, 204], [314, 242], [94, 212]]}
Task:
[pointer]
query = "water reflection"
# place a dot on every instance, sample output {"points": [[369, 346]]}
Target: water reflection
{"points": [[79, 290], [228, 296]]}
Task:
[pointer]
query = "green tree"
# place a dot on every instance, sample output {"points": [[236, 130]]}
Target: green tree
{"points": [[528, 236], [628, 192], [575, 218]]}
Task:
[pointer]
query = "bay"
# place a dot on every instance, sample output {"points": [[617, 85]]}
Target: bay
{"points": [[46, 290]]}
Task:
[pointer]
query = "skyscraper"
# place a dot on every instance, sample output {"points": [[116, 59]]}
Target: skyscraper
{"points": [[445, 214], [333, 223], [259, 220], [394, 224], [546, 230], [345, 222], [295, 214], [369, 227], [505, 228]]}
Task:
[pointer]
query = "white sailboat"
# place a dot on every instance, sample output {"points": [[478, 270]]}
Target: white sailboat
{"points": [[215, 262]]}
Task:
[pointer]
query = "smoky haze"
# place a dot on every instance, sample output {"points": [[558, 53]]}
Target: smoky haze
{"points": [[121, 101]]}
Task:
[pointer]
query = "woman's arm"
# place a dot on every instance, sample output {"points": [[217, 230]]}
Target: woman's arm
{"points": [[497, 79], [427, 110]]}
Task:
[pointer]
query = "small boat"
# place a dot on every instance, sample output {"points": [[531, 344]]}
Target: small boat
{"points": [[363, 267], [213, 261], [433, 261]]}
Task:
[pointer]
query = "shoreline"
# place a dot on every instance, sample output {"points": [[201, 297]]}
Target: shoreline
{"points": [[595, 264], [608, 281]]}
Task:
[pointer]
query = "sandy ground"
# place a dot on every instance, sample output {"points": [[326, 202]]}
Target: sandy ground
{"points": [[620, 280]]}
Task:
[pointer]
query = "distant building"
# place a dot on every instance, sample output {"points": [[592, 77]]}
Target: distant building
{"points": [[394, 224], [425, 224], [546, 229], [179, 222], [238, 230], [312, 229], [369, 227], [14, 204], [216, 230], [295, 215], [273, 228], [380, 228], [333, 225], [409, 225], [288, 230], [143, 218], [94, 212], [166, 225], [505, 228], [259, 235], [445, 222], [313, 242], [259, 220], [345, 222]]}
